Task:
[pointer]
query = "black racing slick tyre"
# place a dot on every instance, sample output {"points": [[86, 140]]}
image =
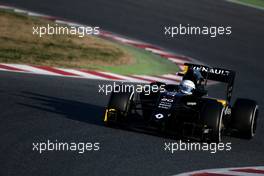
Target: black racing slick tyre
{"points": [[212, 115], [118, 107], [244, 118]]}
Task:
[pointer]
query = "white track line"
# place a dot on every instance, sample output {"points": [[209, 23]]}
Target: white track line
{"points": [[33, 69], [124, 77], [84, 74], [126, 40], [62, 22], [20, 11], [176, 60], [6, 7], [36, 14], [171, 76], [157, 51], [159, 79], [224, 171], [237, 173]]}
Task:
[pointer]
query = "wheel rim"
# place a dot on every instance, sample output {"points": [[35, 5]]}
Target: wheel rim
{"points": [[220, 127], [254, 121]]}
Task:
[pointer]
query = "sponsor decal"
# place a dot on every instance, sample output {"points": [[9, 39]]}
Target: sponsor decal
{"points": [[159, 116], [191, 103], [167, 100], [216, 71]]}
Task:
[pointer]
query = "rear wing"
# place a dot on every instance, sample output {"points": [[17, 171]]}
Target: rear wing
{"points": [[214, 74]]}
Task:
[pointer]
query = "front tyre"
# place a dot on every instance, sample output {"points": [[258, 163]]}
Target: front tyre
{"points": [[118, 107], [244, 118]]}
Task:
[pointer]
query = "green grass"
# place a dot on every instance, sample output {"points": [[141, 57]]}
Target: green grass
{"points": [[259, 3], [145, 63], [93, 53]]}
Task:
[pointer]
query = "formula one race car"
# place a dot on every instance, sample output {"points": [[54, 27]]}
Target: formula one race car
{"points": [[186, 109]]}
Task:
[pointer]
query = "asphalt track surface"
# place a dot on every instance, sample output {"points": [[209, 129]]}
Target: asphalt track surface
{"points": [[36, 108]]}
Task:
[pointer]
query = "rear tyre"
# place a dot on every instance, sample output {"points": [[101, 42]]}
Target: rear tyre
{"points": [[118, 107], [244, 118], [212, 115]]}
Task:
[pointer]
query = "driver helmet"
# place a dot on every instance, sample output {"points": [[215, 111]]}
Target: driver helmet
{"points": [[187, 87]]}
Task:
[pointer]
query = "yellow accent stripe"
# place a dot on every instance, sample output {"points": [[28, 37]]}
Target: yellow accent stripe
{"points": [[105, 117], [223, 102], [106, 114], [185, 69]]}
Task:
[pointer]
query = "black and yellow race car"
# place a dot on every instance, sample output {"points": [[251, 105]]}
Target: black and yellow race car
{"points": [[187, 111]]}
